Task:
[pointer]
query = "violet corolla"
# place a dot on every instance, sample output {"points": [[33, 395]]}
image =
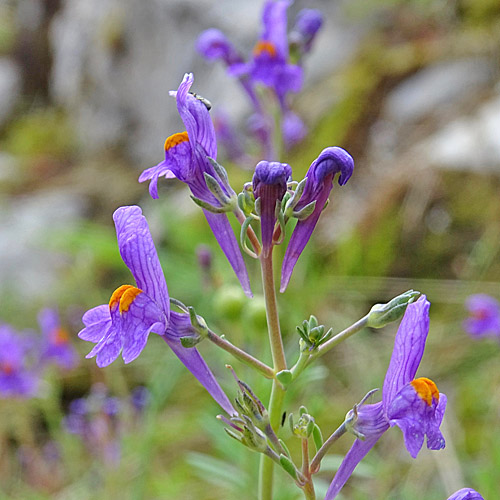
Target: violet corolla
{"points": [[17, 377], [134, 312], [414, 405], [269, 186], [188, 158], [56, 345], [466, 494], [319, 183], [484, 319]]}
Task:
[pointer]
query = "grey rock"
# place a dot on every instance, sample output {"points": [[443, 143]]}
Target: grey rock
{"points": [[437, 86], [468, 143], [28, 267]]}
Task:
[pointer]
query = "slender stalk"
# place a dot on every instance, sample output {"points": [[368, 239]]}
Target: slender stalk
{"points": [[308, 487], [279, 363], [301, 363], [316, 461], [273, 322], [240, 354], [345, 334]]}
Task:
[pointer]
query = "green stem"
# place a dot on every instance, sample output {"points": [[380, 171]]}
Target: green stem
{"points": [[240, 354], [316, 461], [340, 337], [279, 363], [308, 487], [301, 363]]}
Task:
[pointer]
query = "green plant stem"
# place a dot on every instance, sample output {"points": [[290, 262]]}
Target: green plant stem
{"points": [[279, 363], [308, 487], [243, 356], [340, 337], [301, 363], [316, 461]]}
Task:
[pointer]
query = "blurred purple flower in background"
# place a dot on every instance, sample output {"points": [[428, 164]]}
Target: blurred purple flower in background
{"points": [[270, 65], [17, 376], [414, 405], [56, 346], [484, 320], [100, 420], [307, 24], [319, 183], [466, 494], [134, 312], [186, 158]]}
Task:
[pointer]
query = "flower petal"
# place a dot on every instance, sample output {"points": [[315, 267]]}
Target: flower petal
{"points": [[408, 349], [196, 117], [320, 175], [139, 254], [417, 418], [357, 452], [224, 234], [466, 494], [97, 322], [180, 325]]}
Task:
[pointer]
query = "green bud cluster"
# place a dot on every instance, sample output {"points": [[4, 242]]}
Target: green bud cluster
{"points": [[313, 334]]}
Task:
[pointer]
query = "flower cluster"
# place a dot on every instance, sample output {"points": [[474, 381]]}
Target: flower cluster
{"points": [[24, 357], [100, 420], [275, 63]]}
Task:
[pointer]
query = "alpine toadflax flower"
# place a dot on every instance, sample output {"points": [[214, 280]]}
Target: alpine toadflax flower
{"points": [[269, 186], [484, 319], [307, 24], [413, 404], [56, 346], [17, 378], [319, 183], [466, 494], [187, 159], [134, 312]]}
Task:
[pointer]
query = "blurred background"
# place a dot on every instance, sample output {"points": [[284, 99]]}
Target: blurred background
{"points": [[410, 88]]}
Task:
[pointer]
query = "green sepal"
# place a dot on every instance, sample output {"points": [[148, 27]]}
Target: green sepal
{"points": [[233, 434], [214, 187], [285, 447], [305, 212], [219, 170], [303, 410], [211, 208], [288, 466], [197, 322], [317, 437], [190, 342]]}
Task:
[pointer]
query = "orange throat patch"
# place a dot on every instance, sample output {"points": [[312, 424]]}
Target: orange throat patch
{"points": [[426, 389], [175, 140]]}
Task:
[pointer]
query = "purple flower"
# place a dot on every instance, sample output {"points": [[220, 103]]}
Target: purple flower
{"points": [[17, 379], [134, 312], [414, 405], [269, 64], [484, 320], [213, 44], [269, 186], [292, 128], [318, 186], [466, 494], [56, 346], [186, 158], [307, 25]]}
